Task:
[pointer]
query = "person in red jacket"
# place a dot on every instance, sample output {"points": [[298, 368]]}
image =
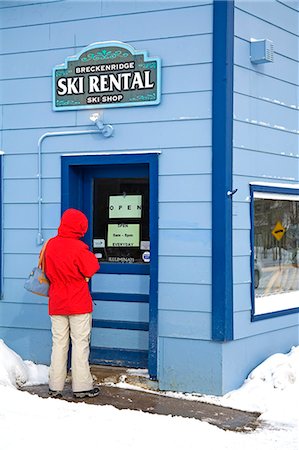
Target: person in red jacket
{"points": [[69, 265]]}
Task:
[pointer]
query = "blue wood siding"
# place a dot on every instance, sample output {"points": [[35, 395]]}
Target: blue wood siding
{"points": [[27, 316], [185, 297], [200, 373], [39, 35], [27, 343], [265, 139], [185, 325]]}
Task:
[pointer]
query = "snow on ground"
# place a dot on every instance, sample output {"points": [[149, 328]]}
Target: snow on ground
{"points": [[16, 372], [32, 423]]}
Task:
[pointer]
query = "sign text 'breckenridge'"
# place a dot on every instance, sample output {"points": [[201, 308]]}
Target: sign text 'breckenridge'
{"points": [[108, 74]]}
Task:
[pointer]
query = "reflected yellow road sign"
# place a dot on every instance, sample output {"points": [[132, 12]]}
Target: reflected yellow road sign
{"points": [[278, 231]]}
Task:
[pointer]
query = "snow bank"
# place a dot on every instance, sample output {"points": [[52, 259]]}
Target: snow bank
{"points": [[16, 373], [272, 388]]}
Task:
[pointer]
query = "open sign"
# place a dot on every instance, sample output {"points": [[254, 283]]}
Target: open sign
{"points": [[125, 206]]}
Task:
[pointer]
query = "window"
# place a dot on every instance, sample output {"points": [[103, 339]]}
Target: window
{"points": [[121, 220], [275, 252]]}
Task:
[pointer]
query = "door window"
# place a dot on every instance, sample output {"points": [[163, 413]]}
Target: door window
{"points": [[121, 220]]}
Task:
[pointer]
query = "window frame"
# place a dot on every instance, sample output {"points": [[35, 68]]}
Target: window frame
{"points": [[71, 181], [266, 189]]}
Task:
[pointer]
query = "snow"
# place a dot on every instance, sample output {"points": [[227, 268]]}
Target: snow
{"points": [[29, 422], [275, 195], [270, 184], [276, 302], [113, 153], [272, 388], [15, 372]]}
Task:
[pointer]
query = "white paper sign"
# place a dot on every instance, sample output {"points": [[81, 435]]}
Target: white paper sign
{"points": [[123, 235], [125, 206]]}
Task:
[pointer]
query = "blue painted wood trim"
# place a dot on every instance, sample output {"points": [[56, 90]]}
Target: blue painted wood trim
{"points": [[153, 304], [222, 129], [120, 325], [1, 229], [283, 312], [142, 269], [92, 160], [119, 357], [252, 253], [68, 163], [273, 190], [115, 297]]}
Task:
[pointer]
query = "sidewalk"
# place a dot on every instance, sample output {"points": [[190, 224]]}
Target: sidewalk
{"points": [[150, 400]]}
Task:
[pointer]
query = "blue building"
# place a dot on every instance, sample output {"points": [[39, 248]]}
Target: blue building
{"points": [[174, 126]]}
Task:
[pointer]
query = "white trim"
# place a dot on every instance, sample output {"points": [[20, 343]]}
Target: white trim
{"points": [[276, 302], [275, 196], [114, 153], [280, 185]]}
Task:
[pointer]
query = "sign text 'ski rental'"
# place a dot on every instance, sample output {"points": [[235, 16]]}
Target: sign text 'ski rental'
{"points": [[108, 74]]}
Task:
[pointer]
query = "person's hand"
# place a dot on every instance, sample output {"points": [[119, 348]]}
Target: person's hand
{"points": [[87, 279]]}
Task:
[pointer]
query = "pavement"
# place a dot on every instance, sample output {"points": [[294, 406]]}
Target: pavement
{"points": [[128, 389]]}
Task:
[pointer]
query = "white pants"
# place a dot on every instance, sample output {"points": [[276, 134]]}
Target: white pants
{"points": [[78, 327]]}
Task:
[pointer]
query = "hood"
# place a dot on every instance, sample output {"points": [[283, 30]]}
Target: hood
{"points": [[73, 224]]}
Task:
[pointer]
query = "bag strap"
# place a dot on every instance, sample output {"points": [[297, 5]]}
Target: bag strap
{"points": [[41, 259]]}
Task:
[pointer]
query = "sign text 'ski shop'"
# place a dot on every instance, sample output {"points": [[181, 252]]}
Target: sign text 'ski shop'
{"points": [[107, 75]]}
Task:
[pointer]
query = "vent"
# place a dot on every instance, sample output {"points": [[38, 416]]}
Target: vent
{"points": [[261, 51]]}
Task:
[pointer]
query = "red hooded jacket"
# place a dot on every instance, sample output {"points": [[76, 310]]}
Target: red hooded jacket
{"points": [[67, 262]]}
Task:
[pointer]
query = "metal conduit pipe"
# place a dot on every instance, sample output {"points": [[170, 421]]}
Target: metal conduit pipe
{"points": [[106, 130]]}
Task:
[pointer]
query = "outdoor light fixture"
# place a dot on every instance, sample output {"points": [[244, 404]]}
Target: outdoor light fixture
{"points": [[106, 130], [261, 51]]}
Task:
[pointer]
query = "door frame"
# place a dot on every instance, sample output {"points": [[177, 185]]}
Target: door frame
{"points": [[71, 195]]}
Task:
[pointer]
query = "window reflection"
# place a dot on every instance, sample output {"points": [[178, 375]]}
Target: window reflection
{"points": [[276, 253]]}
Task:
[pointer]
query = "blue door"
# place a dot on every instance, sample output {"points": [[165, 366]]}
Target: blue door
{"points": [[119, 196]]}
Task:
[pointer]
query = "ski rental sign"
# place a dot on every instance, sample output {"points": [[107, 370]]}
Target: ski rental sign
{"points": [[107, 75]]}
